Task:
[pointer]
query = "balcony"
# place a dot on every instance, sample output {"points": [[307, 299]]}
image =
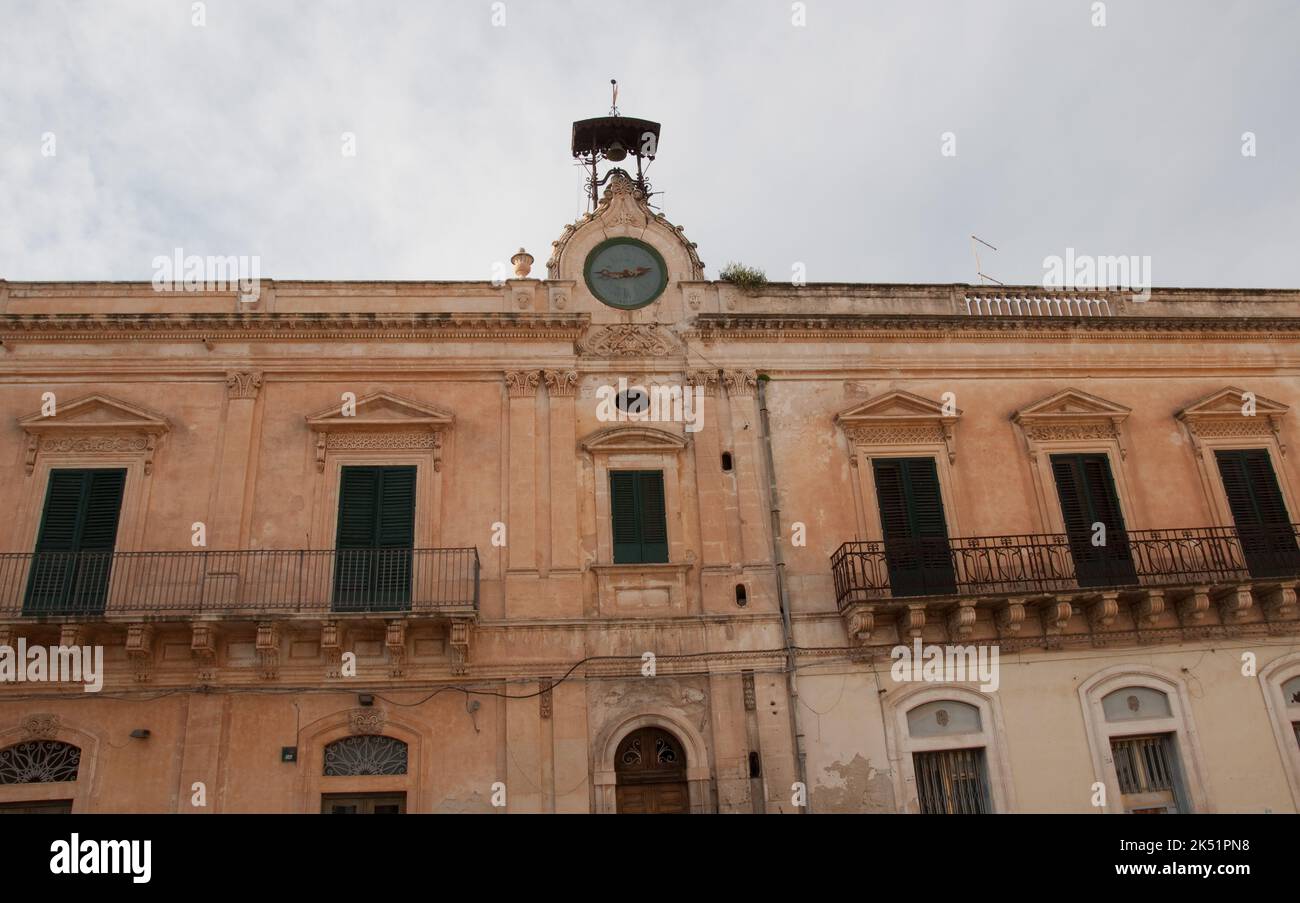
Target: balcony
{"points": [[1052, 564], [239, 584]]}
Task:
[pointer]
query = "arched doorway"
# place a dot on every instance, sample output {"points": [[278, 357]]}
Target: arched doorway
{"points": [[650, 766]]}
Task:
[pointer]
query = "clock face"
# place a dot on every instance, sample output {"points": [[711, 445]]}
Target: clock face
{"points": [[625, 273]]}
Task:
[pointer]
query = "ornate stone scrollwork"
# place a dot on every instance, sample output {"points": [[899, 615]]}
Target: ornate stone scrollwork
{"points": [[740, 382], [561, 383], [203, 648], [628, 340], [93, 425], [139, 650], [268, 649], [243, 384], [40, 726], [522, 383]]}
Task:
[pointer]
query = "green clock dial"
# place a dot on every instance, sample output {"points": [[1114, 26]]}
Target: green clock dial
{"points": [[625, 273]]}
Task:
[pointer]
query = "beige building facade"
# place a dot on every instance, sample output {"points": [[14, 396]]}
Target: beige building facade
{"points": [[380, 547]]}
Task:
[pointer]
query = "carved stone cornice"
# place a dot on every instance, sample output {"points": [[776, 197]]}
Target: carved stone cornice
{"points": [[93, 425], [522, 383], [628, 340], [1234, 413], [250, 327], [853, 327], [379, 421], [740, 383], [561, 383], [243, 384]]}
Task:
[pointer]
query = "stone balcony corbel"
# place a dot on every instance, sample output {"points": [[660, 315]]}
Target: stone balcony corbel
{"points": [[203, 649], [1193, 604], [961, 620], [911, 622], [1010, 616], [1279, 602], [395, 640], [139, 651], [1233, 603]]}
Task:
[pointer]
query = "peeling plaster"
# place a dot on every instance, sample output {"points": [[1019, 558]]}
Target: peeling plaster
{"points": [[854, 787]]}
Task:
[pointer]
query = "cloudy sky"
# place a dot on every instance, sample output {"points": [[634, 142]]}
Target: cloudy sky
{"points": [[819, 144]]}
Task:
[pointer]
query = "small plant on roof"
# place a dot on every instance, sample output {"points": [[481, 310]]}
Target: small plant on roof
{"points": [[743, 277]]}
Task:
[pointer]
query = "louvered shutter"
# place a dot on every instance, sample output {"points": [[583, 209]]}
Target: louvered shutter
{"points": [[74, 548], [914, 527], [376, 532], [654, 520], [1259, 512], [639, 517], [1087, 493]]}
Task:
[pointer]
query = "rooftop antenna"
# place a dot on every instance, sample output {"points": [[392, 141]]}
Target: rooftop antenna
{"points": [[979, 271], [614, 138]]}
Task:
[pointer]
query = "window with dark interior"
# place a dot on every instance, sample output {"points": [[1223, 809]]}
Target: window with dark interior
{"points": [[1268, 541], [914, 528], [73, 560], [640, 523], [1088, 498], [376, 534]]}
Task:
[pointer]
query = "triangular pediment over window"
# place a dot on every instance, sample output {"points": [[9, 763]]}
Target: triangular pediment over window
{"points": [[93, 424], [380, 420], [901, 418], [1072, 415], [1234, 412], [632, 438]]}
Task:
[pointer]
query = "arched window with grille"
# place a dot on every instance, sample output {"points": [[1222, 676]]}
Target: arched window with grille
{"points": [[365, 754], [39, 762]]}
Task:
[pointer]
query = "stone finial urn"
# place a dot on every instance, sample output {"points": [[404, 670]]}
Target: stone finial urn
{"points": [[523, 262]]}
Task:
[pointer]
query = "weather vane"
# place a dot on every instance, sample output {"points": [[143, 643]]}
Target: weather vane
{"points": [[613, 107]]}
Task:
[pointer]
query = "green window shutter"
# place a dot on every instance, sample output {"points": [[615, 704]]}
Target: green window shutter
{"points": [[654, 519], [74, 547], [1259, 513], [639, 518], [913, 526], [1087, 493], [376, 533]]}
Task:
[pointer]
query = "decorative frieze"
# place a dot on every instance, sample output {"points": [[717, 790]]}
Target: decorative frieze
{"points": [[366, 720], [40, 726], [93, 425], [628, 340], [1234, 413], [901, 418], [381, 421]]}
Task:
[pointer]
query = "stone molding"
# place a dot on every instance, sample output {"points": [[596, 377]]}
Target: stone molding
{"points": [[93, 424]]}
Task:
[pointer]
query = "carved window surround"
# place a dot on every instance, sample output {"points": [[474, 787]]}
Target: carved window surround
{"points": [[899, 424], [1179, 722], [385, 430], [900, 744], [1216, 422], [634, 589], [94, 425], [1283, 712], [380, 421], [1072, 421]]}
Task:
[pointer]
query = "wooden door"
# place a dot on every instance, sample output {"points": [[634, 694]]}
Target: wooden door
{"points": [[651, 771]]}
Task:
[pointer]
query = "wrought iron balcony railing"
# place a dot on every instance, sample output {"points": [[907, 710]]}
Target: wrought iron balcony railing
{"points": [[252, 582], [1061, 562]]}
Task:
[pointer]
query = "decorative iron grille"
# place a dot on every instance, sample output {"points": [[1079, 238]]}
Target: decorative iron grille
{"points": [[952, 782], [367, 754], [39, 762]]}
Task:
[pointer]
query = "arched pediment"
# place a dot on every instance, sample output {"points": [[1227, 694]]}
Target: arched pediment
{"points": [[623, 211], [93, 423], [632, 438]]}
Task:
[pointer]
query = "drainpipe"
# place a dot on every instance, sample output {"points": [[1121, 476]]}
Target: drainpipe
{"points": [[801, 755]]}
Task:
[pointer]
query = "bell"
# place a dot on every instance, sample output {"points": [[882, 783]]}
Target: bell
{"points": [[616, 152]]}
